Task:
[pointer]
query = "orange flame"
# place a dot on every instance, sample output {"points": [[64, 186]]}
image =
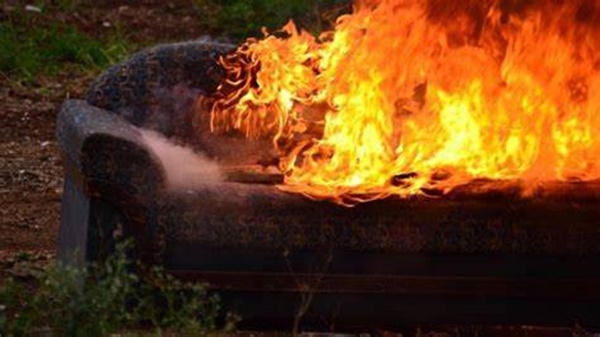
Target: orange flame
{"points": [[399, 98]]}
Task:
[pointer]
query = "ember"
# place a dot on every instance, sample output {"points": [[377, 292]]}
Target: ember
{"points": [[399, 99]]}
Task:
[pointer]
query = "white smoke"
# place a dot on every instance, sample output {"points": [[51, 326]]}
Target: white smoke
{"points": [[185, 168]]}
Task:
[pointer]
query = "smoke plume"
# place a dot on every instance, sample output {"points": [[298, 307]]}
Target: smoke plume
{"points": [[185, 169]]}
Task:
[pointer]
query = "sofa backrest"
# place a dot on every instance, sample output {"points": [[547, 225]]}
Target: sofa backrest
{"points": [[157, 88]]}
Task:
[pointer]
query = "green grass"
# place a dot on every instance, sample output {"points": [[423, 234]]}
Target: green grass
{"points": [[29, 49], [109, 298], [34, 44], [244, 18], [62, 5]]}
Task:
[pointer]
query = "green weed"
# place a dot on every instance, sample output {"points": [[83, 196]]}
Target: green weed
{"points": [[108, 298], [243, 18], [65, 6], [28, 49]]}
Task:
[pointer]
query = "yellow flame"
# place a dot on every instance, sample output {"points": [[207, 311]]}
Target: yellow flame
{"points": [[398, 98]]}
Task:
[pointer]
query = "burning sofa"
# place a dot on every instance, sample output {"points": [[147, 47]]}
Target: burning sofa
{"points": [[482, 252]]}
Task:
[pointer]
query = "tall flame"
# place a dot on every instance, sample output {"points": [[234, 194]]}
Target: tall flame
{"points": [[405, 95]]}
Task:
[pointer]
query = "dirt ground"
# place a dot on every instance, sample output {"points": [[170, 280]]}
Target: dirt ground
{"points": [[31, 173]]}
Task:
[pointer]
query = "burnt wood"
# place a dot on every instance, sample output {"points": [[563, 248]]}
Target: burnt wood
{"points": [[486, 253]]}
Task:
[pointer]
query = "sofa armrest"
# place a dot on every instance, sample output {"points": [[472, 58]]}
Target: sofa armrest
{"points": [[106, 153]]}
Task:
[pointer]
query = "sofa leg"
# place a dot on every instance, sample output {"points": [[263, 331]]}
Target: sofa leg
{"points": [[88, 226]]}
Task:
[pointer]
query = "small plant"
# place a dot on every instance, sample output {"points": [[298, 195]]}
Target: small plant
{"points": [[108, 298]]}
